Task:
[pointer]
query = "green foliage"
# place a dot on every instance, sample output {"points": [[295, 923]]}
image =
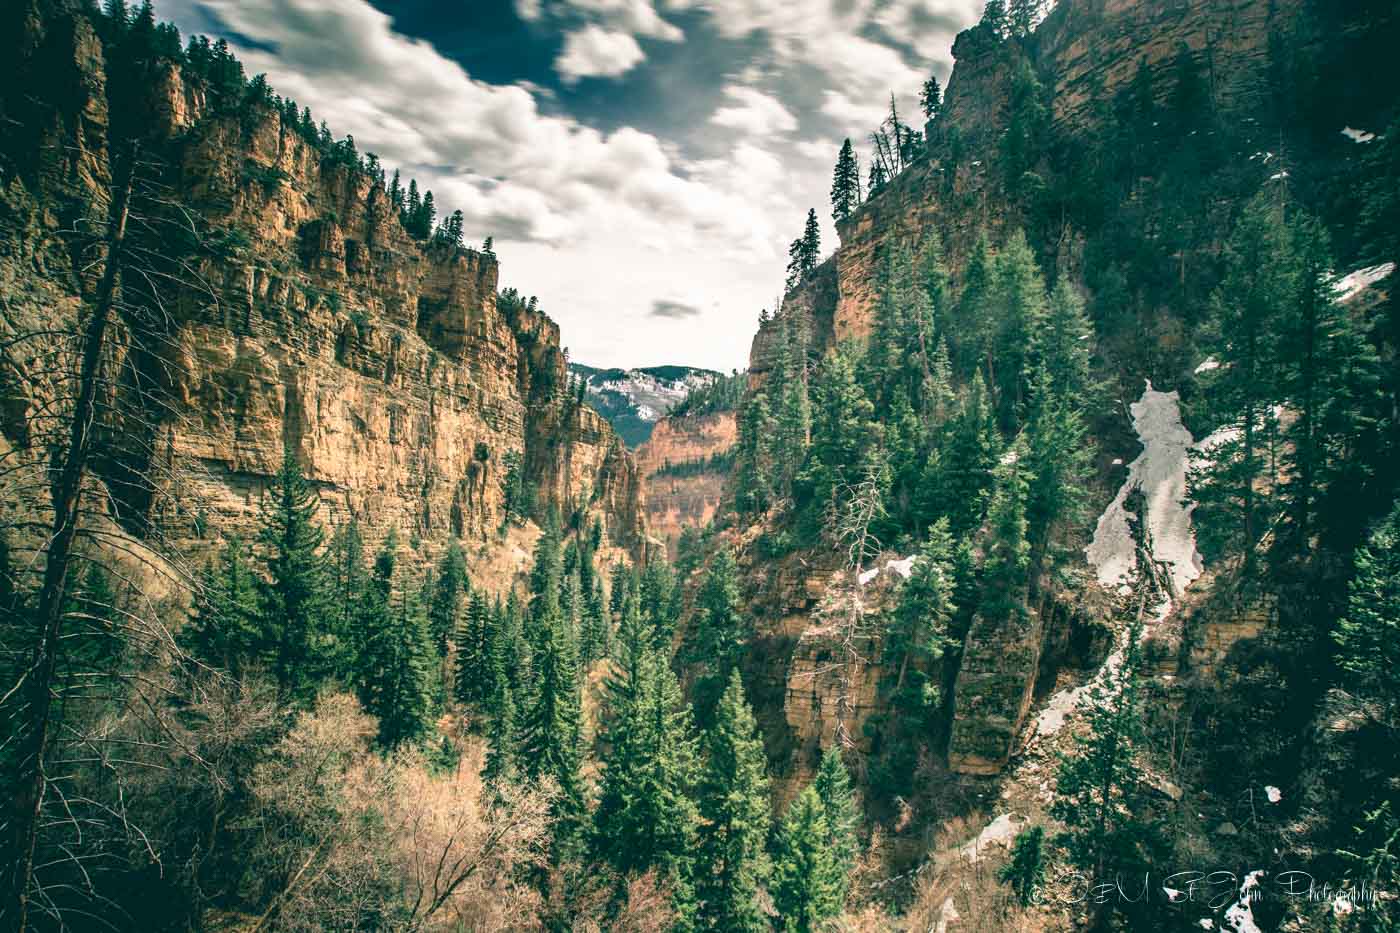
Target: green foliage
{"points": [[1025, 871], [719, 629], [226, 629], [808, 884], [450, 586], [1368, 635], [519, 497], [805, 252], [724, 393], [733, 865], [845, 184], [394, 673], [1109, 828], [647, 817], [840, 816], [292, 609]]}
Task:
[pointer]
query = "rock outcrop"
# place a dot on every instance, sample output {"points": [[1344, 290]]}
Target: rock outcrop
{"points": [[304, 316], [684, 466]]}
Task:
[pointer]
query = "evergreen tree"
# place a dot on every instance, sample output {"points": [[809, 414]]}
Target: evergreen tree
{"points": [[1059, 460], [958, 476], [502, 752], [482, 659], [1019, 313], [733, 863], [844, 433], [974, 320], [811, 242], [396, 192], [348, 579], [225, 630], [1025, 872], [877, 178], [833, 787], [807, 881], [1249, 309], [1098, 795], [647, 817], [754, 466], [1022, 16], [931, 98], [1005, 571], [720, 629], [551, 727], [292, 611], [659, 600], [396, 670], [1368, 636], [994, 18], [1065, 345], [918, 635], [449, 588], [845, 184]]}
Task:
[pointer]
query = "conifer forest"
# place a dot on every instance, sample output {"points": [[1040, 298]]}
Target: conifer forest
{"points": [[932, 468]]}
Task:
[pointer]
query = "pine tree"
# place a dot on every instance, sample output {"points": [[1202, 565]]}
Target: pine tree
{"points": [[1059, 457], [877, 178], [1368, 635], [1022, 16], [811, 243], [1005, 576], [807, 880], [844, 432], [958, 476], [931, 98], [348, 578], [552, 726], [292, 608], [1025, 871], [918, 635], [994, 18], [396, 192], [1249, 310], [845, 184], [1065, 345], [479, 654], [733, 863], [753, 470], [1098, 795], [225, 630], [720, 629], [833, 787], [647, 817], [412, 209], [396, 670], [502, 751], [449, 588], [1019, 313]]}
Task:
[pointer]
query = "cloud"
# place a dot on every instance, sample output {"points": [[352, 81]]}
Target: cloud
{"points": [[673, 310], [637, 17], [595, 52], [754, 113]]}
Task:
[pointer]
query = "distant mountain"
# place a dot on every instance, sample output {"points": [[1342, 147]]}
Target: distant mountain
{"points": [[634, 399]]}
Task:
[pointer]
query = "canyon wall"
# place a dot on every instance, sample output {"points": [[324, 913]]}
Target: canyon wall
{"points": [[690, 496], [303, 316]]}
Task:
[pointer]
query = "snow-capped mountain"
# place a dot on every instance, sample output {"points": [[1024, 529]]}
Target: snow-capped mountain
{"points": [[635, 399]]}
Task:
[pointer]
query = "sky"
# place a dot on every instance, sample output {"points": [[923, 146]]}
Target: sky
{"points": [[641, 164]]}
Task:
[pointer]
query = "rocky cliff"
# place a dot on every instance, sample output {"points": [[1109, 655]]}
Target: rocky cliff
{"points": [[684, 467], [1085, 56], [302, 315]]}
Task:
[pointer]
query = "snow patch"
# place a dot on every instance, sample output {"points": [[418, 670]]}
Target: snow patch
{"points": [[1273, 793], [902, 567], [1208, 365], [1240, 916], [999, 832], [1358, 136], [1351, 285], [867, 575], [1160, 472], [1278, 176]]}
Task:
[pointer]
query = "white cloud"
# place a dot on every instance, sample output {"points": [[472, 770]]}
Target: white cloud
{"points": [[637, 17], [595, 52], [753, 112], [599, 225]]}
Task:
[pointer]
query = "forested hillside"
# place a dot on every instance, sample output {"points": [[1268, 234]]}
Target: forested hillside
{"points": [[1040, 573]]}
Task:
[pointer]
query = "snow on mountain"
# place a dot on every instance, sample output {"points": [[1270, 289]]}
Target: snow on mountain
{"points": [[635, 399]]}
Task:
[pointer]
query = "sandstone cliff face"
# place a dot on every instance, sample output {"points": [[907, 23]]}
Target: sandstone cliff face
{"points": [[674, 502], [311, 319]]}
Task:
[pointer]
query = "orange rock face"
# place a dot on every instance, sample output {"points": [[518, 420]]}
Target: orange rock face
{"points": [[675, 501]]}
